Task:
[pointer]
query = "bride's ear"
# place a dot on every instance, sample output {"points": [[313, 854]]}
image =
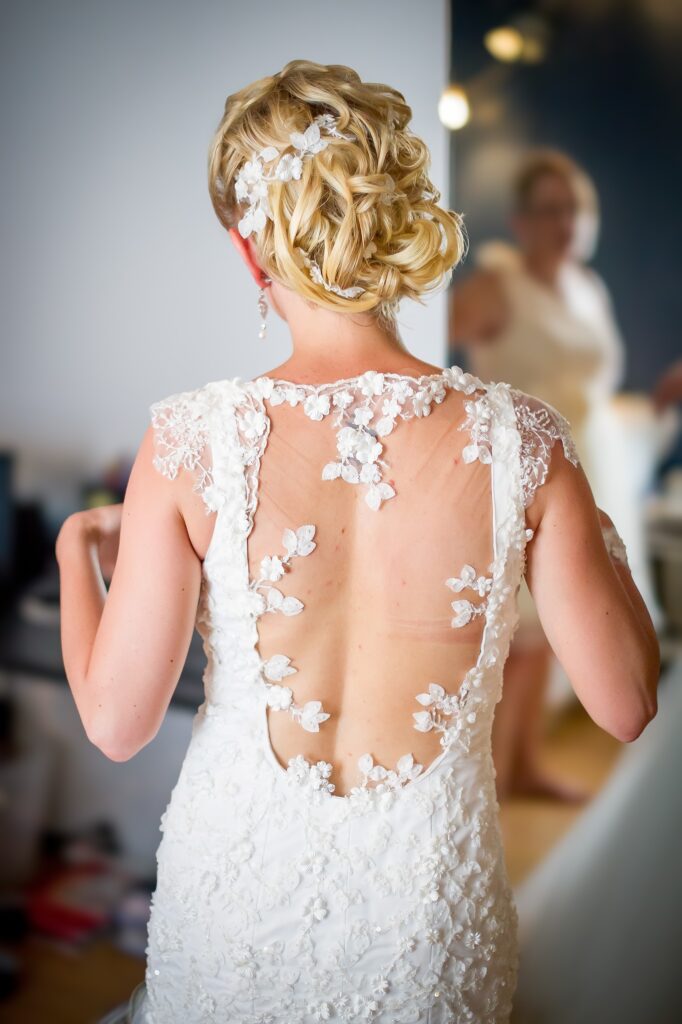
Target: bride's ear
{"points": [[247, 253]]}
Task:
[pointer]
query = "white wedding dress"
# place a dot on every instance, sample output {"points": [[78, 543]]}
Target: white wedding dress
{"points": [[332, 850]]}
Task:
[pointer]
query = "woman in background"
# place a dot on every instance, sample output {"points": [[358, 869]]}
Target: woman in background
{"points": [[535, 316]]}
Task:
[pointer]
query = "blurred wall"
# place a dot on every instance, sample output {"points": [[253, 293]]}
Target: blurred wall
{"points": [[118, 285]]}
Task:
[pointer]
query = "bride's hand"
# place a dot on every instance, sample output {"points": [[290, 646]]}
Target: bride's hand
{"points": [[100, 526]]}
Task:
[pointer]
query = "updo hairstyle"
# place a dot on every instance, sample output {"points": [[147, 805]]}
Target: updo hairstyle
{"points": [[365, 210]]}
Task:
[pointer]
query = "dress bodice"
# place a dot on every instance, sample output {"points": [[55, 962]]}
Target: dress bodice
{"points": [[433, 513], [331, 850]]}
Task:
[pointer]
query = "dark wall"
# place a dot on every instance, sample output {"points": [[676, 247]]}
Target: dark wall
{"points": [[609, 94]]}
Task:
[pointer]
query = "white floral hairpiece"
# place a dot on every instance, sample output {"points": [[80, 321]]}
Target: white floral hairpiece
{"points": [[316, 274], [251, 185]]}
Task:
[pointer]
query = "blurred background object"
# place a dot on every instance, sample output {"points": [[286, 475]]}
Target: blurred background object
{"points": [[569, 292]]}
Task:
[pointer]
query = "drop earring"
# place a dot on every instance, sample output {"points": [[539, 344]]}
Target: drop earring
{"points": [[263, 307]]}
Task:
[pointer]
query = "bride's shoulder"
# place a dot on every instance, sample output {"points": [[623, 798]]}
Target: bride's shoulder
{"points": [[540, 425], [540, 420], [183, 423], [191, 403]]}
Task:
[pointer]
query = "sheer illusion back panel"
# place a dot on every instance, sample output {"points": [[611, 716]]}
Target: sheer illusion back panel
{"points": [[367, 600]]}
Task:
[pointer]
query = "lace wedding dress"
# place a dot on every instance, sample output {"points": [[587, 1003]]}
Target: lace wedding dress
{"points": [[331, 850]]}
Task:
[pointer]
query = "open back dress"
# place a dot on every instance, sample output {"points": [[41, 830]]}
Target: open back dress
{"points": [[331, 850]]}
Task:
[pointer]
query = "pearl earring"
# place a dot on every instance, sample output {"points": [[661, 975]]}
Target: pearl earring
{"points": [[263, 307]]}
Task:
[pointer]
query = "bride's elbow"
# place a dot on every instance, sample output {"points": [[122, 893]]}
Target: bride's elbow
{"points": [[631, 731], [118, 754], [114, 751], [116, 744], [630, 727], [636, 687]]}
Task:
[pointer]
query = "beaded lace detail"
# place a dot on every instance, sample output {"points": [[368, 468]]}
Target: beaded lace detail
{"points": [[279, 900]]}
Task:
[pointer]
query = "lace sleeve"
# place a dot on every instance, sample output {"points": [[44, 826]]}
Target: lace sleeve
{"points": [[540, 425], [181, 441]]}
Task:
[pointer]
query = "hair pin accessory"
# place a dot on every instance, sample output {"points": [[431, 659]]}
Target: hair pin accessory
{"points": [[251, 184]]}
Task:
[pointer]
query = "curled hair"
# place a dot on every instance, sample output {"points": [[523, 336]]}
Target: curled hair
{"points": [[365, 210]]}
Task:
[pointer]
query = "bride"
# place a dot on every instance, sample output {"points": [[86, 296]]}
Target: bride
{"points": [[348, 533]]}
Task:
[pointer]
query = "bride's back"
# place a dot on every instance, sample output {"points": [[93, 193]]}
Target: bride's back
{"points": [[384, 563], [356, 534]]}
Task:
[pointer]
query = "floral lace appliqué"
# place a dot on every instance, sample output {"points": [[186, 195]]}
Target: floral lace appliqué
{"points": [[375, 778], [365, 409], [465, 610], [180, 442], [478, 423], [540, 425], [278, 666]]}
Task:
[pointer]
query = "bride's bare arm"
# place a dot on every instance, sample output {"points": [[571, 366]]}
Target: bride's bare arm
{"points": [[124, 650], [590, 608]]}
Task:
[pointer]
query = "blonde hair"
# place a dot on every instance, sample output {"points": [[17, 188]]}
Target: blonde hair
{"points": [[343, 200]]}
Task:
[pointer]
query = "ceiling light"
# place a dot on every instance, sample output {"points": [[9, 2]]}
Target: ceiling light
{"points": [[504, 43], [453, 107]]}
